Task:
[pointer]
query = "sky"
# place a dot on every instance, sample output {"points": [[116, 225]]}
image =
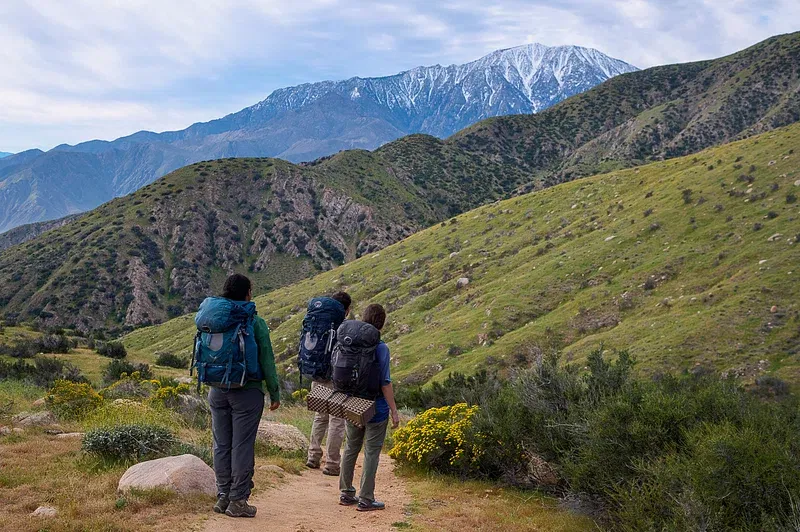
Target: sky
{"points": [[76, 70]]}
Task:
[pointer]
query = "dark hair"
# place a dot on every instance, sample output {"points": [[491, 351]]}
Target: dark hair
{"points": [[237, 286], [343, 298], [375, 315]]}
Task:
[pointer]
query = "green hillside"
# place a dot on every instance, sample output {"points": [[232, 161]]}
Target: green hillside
{"points": [[685, 262]]}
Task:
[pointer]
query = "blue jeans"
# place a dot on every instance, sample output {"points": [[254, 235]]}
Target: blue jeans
{"points": [[235, 415]]}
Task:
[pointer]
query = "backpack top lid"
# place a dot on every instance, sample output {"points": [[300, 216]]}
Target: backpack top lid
{"points": [[358, 334], [326, 308], [219, 314]]}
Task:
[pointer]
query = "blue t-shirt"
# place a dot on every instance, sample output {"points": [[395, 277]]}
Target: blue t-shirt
{"points": [[381, 406]]}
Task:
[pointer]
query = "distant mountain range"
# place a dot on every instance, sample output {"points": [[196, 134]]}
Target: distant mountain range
{"points": [[5, 154], [156, 253], [303, 123]]}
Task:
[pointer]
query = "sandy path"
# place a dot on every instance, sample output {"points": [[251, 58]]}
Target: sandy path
{"points": [[310, 503]]}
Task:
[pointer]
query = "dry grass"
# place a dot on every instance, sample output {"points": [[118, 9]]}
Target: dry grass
{"points": [[446, 503], [38, 469]]}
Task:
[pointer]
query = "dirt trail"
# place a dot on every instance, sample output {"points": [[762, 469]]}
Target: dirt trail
{"points": [[310, 503]]}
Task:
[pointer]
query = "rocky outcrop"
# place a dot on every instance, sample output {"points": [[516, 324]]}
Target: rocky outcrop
{"points": [[185, 474], [44, 418]]}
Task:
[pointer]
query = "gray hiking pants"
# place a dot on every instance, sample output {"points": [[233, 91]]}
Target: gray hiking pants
{"points": [[235, 415], [334, 426], [371, 437]]}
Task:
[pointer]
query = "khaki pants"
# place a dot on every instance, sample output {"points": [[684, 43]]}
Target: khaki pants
{"points": [[371, 437], [334, 426]]}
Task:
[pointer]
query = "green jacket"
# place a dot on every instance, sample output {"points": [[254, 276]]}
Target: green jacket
{"points": [[266, 359]]}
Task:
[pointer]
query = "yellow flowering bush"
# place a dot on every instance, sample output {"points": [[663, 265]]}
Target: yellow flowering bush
{"points": [[440, 438], [72, 400], [300, 395]]}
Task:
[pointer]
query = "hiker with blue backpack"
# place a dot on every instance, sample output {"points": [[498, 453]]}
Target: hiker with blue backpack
{"points": [[323, 317], [361, 368], [233, 356]]}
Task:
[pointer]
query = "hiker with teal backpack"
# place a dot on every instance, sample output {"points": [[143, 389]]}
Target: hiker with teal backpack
{"points": [[317, 339], [233, 356], [361, 368]]}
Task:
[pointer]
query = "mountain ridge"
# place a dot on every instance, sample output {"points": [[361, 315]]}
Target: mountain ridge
{"points": [[305, 122]]}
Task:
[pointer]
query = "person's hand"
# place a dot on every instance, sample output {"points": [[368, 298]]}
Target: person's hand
{"points": [[274, 405], [395, 419]]}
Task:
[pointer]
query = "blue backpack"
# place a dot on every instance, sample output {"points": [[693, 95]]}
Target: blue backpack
{"points": [[225, 350], [318, 337]]}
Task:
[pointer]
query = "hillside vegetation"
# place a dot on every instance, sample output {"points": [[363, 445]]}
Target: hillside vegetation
{"points": [[154, 254], [687, 262]]}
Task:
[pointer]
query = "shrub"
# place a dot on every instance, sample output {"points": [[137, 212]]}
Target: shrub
{"points": [[127, 412], [19, 349], [456, 388], [53, 343], [300, 395], [111, 349], [131, 386], [71, 400], [116, 368], [125, 442], [43, 372], [171, 360], [440, 438]]}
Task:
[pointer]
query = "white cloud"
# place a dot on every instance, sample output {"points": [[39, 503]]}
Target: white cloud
{"points": [[124, 66]]}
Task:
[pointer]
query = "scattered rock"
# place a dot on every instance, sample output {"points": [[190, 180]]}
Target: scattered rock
{"points": [[610, 238], [771, 163], [5, 431], [774, 237], [44, 512], [462, 282], [185, 474], [541, 472], [38, 403], [762, 261], [69, 436], [454, 254], [185, 379], [284, 437], [797, 183], [35, 419], [774, 309], [272, 468]]}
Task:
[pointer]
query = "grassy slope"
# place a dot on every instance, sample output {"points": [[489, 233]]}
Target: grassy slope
{"points": [[567, 266]]}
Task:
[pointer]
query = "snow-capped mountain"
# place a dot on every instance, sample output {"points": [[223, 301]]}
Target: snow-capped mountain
{"points": [[441, 100], [303, 123]]}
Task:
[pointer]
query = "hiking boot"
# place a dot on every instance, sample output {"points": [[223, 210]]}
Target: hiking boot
{"points": [[311, 464], [240, 509], [330, 471], [222, 504], [347, 500], [365, 505]]}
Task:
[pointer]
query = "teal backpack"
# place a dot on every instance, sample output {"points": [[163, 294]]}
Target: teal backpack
{"points": [[225, 350]]}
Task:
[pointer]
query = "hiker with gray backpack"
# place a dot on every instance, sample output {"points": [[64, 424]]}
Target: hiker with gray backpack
{"points": [[233, 356], [323, 317], [360, 364]]}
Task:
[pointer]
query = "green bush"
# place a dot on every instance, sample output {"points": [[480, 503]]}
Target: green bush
{"points": [[116, 368], [686, 452], [130, 387], [171, 360], [71, 400], [43, 372], [456, 388], [126, 442], [111, 349]]}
